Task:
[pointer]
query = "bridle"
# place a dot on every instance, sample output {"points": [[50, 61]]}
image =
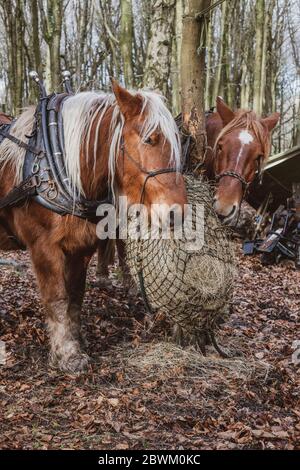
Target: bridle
{"points": [[149, 173], [245, 184]]}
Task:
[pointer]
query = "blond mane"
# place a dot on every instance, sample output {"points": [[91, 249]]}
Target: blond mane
{"points": [[80, 112], [11, 153]]}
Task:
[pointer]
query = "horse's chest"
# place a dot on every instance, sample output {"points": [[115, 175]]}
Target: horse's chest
{"points": [[78, 236]]}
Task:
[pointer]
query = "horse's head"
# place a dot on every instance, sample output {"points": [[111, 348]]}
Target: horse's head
{"points": [[241, 150], [148, 166]]}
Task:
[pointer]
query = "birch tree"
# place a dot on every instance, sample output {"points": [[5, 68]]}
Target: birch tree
{"points": [[159, 51], [176, 57], [52, 17], [258, 86], [126, 41]]}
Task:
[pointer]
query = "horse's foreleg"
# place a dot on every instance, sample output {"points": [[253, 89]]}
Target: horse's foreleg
{"points": [[128, 282], [63, 314], [76, 270], [106, 255]]}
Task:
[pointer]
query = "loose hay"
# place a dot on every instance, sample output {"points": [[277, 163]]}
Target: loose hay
{"points": [[192, 287], [164, 360]]}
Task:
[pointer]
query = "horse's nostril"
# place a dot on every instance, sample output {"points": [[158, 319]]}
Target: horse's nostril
{"points": [[231, 213]]}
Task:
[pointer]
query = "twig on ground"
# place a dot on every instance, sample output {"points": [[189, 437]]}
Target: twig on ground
{"points": [[14, 264]]}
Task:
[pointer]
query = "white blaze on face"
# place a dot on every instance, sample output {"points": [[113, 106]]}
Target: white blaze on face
{"points": [[245, 138]]}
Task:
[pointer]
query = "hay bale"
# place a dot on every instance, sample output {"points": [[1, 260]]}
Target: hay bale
{"points": [[193, 288]]}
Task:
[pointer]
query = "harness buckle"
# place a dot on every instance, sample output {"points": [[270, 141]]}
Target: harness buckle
{"points": [[52, 192]]}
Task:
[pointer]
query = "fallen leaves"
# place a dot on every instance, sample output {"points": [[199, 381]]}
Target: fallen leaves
{"points": [[141, 392]]}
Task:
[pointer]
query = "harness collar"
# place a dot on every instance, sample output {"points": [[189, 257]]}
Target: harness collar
{"points": [[44, 172]]}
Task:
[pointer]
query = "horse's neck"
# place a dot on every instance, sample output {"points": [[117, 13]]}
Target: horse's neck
{"points": [[94, 169], [214, 126]]}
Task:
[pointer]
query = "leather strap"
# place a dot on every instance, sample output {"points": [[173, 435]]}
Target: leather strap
{"points": [[20, 143], [18, 194]]}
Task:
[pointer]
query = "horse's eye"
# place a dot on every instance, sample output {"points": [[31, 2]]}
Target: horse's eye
{"points": [[149, 141]]}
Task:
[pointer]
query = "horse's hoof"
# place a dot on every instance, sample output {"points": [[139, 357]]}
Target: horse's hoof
{"points": [[73, 364]]}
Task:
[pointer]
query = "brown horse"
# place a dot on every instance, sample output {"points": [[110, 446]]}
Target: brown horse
{"points": [[239, 146], [61, 247]]}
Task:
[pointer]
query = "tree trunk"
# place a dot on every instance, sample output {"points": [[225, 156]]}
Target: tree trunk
{"points": [[296, 140], [209, 100], [270, 66], [218, 87], [176, 54], [20, 39], [265, 53], [84, 8], [245, 87], [126, 41], [225, 85], [35, 36], [159, 51], [14, 24], [259, 56], [193, 74], [52, 28]]}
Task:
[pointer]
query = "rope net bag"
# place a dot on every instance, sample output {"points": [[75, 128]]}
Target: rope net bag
{"points": [[192, 287]]}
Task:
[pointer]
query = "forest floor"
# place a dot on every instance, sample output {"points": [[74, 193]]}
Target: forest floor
{"points": [[143, 392]]}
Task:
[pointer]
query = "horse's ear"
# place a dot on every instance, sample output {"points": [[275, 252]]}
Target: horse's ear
{"points": [[130, 105], [270, 121], [225, 112]]}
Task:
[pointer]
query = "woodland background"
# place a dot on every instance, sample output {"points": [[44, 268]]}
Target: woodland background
{"points": [[141, 390], [249, 51]]}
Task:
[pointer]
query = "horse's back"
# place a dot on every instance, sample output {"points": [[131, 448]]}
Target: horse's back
{"points": [[5, 118]]}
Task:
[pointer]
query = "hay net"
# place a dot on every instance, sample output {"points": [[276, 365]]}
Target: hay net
{"points": [[193, 288]]}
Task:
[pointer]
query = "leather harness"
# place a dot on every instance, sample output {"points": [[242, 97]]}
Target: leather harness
{"points": [[44, 173]]}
